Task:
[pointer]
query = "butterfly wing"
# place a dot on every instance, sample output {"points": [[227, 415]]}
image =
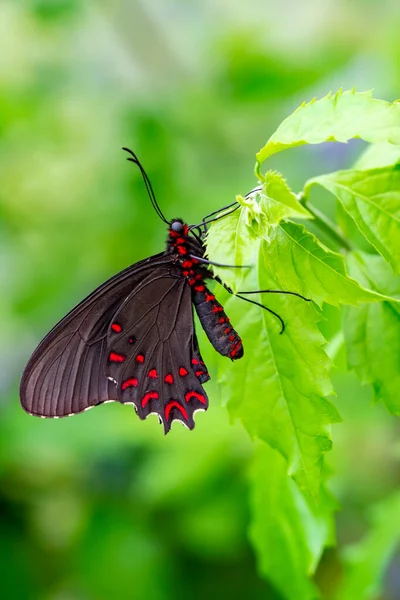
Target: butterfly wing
{"points": [[153, 355], [66, 373]]}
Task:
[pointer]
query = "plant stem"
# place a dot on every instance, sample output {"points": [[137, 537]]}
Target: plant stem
{"points": [[325, 224]]}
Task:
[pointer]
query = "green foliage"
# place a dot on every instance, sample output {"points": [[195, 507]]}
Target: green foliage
{"points": [[372, 332], [372, 199], [279, 390], [337, 118], [288, 531], [365, 562]]}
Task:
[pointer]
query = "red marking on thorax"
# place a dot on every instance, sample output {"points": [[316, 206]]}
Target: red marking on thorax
{"points": [[171, 405], [182, 372], [182, 250], [131, 382], [153, 374], [140, 358], [115, 327], [187, 264], [149, 396], [193, 394], [168, 378], [114, 357]]}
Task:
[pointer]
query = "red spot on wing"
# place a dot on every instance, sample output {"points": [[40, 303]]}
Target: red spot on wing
{"points": [[114, 357], [192, 394], [231, 338], [153, 374], [140, 358], [227, 330], [131, 382], [198, 373], [195, 361], [175, 404], [182, 372], [209, 297], [132, 340], [168, 378], [149, 396], [199, 288], [115, 327]]}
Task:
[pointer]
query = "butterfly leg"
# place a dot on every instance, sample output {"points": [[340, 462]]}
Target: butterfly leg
{"points": [[228, 289]]}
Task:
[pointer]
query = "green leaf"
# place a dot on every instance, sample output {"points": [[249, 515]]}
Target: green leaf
{"points": [[278, 389], [288, 531], [366, 561], [378, 155], [336, 118], [303, 264], [372, 199], [372, 332], [231, 241], [278, 202]]}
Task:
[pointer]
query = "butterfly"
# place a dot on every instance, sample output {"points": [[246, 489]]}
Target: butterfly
{"points": [[133, 339]]}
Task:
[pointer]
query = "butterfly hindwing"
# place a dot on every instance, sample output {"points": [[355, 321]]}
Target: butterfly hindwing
{"points": [[153, 355]]}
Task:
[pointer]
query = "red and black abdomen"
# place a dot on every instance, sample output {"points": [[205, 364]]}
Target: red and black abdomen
{"points": [[216, 324]]}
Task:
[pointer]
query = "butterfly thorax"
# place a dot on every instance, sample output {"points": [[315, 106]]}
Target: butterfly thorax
{"points": [[188, 250]]}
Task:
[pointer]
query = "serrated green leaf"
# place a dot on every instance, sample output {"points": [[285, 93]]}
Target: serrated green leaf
{"points": [[278, 389], [378, 155], [288, 531], [372, 332], [372, 199], [278, 202], [301, 263], [366, 561], [234, 239], [337, 118], [230, 241]]}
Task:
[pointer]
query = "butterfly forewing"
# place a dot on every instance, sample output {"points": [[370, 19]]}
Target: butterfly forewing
{"points": [[65, 374]]}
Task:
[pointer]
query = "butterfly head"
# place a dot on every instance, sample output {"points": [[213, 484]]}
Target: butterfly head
{"points": [[177, 228]]}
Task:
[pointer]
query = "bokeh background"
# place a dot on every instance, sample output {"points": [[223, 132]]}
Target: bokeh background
{"points": [[103, 506]]}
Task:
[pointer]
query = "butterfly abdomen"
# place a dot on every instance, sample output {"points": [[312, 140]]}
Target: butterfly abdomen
{"points": [[216, 324]]}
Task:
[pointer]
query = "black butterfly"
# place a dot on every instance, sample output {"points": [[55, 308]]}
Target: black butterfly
{"points": [[133, 339]]}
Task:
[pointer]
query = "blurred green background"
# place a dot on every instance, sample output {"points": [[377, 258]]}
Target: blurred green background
{"points": [[102, 505]]}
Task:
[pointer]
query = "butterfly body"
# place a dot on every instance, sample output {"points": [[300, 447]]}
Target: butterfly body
{"points": [[133, 340]]}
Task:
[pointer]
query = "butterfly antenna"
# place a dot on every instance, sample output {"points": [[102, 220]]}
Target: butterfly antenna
{"points": [[149, 188]]}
